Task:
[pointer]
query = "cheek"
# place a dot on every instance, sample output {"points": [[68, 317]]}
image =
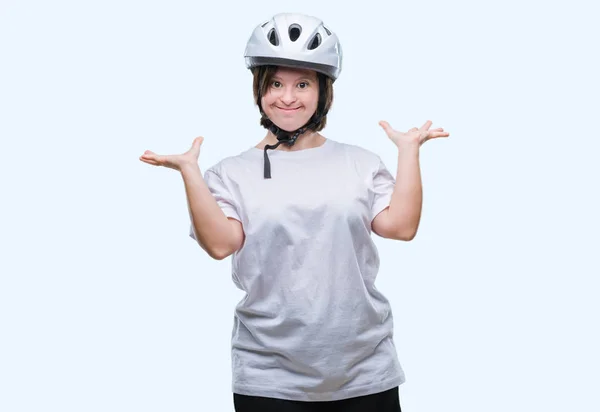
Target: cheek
{"points": [[268, 99], [265, 103], [314, 101]]}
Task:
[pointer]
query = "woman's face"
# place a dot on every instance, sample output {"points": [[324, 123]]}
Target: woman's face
{"points": [[291, 98]]}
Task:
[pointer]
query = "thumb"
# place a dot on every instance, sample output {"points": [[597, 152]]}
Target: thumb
{"points": [[195, 149], [386, 126], [197, 143]]}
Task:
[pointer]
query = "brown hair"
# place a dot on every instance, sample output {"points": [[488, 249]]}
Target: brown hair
{"points": [[260, 85]]}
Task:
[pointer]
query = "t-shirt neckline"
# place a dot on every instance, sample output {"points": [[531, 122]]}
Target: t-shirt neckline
{"points": [[295, 153]]}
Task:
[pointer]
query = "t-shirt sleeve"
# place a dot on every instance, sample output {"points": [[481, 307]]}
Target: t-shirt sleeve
{"points": [[383, 187], [222, 194]]}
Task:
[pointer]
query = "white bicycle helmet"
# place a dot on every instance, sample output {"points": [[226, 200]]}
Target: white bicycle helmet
{"points": [[295, 40]]}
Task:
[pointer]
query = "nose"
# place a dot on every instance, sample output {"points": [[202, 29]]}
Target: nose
{"points": [[288, 96]]}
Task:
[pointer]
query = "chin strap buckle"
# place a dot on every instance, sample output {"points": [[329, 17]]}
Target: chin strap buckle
{"points": [[283, 137]]}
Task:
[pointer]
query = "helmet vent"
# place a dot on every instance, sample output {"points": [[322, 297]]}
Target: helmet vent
{"points": [[316, 41], [327, 30], [273, 38], [294, 32]]}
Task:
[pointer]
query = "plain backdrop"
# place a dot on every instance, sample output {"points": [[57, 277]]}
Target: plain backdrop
{"points": [[106, 304]]}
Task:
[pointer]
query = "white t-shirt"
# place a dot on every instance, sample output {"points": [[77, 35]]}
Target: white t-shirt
{"points": [[312, 326]]}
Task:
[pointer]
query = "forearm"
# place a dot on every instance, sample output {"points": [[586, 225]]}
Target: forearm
{"points": [[211, 226], [407, 198]]}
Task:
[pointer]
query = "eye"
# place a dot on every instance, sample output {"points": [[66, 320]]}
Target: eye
{"points": [[276, 84], [303, 85]]}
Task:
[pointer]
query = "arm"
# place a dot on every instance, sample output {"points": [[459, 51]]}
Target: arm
{"points": [[401, 220], [215, 233], [407, 197]]}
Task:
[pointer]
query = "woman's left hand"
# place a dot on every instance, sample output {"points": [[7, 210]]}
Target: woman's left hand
{"points": [[414, 137]]}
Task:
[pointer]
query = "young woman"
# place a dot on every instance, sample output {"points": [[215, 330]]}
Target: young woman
{"points": [[297, 212]]}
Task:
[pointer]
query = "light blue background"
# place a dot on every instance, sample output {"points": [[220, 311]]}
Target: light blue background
{"points": [[106, 304]]}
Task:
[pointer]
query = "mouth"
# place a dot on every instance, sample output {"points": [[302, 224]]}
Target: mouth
{"points": [[288, 109]]}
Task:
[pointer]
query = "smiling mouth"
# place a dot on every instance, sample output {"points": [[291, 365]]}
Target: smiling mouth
{"points": [[287, 110]]}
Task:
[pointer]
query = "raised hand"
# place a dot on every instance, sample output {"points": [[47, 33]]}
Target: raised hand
{"points": [[174, 161], [413, 137]]}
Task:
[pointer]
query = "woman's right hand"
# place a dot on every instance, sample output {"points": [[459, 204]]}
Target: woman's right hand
{"points": [[174, 161]]}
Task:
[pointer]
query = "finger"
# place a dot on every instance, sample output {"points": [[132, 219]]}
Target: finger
{"points": [[426, 125], [150, 161], [149, 156], [386, 126], [157, 159], [197, 142]]}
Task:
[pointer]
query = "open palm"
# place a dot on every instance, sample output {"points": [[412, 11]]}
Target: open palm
{"points": [[174, 161]]}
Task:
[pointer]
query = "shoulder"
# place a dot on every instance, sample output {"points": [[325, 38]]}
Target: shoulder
{"points": [[359, 155], [230, 164]]}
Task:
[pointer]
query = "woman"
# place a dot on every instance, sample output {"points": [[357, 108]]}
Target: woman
{"points": [[313, 332]]}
